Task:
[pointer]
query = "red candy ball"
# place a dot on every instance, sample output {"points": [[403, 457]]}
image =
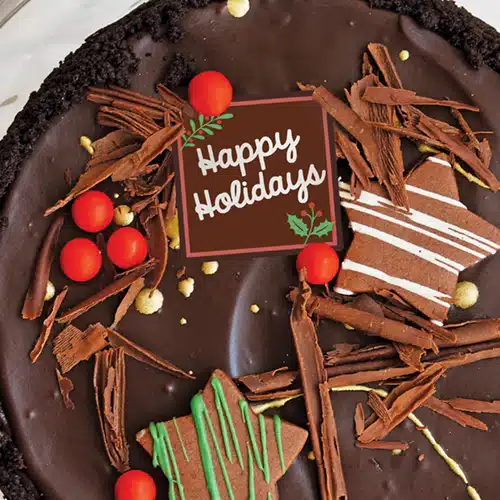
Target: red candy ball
{"points": [[320, 261], [127, 248], [135, 485], [210, 93], [80, 259], [92, 211]]}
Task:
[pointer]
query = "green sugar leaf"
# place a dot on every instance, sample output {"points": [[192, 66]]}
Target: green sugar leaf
{"points": [[200, 137], [188, 145], [323, 229], [207, 131], [201, 119], [184, 137], [297, 225], [225, 116], [215, 126], [193, 125]]}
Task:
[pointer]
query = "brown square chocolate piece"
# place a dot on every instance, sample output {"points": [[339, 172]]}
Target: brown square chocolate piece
{"points": [[261, 177]]}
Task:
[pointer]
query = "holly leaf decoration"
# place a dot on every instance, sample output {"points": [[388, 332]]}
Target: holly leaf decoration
{"points": [[297, 225], [206, 125], [322, 229]]}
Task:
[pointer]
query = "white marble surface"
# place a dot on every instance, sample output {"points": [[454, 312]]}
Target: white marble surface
{"points": [[44, 31]]}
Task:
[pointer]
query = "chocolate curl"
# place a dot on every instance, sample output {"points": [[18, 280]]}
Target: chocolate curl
{"points": [[475, 405], [384, 445], [367, 323], [447, 410], [402, 401], [47, 326], [109, 387], [35, 297], [385, 64], [65, 388], [319, 409]]}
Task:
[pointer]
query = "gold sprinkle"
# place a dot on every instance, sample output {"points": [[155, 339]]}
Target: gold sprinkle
{"points": [[210, 267], [348, 327], [238, 8], [254, 308], [183, 321], [173, 233], [123, 215], [186, 287], [86, 143], [404, 55], [311, 456], [466, 294], [50, 291], [116, 196], [397, 452]]}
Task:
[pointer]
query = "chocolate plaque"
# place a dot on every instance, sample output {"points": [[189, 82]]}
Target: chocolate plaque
{"points": [[258, 178]]}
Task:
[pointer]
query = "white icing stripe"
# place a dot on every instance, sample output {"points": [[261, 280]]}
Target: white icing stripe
{"points": [[439, 160], [426, 220], [435, 196], [410, 286], [417, 229], [343, 291], [420, 252]]}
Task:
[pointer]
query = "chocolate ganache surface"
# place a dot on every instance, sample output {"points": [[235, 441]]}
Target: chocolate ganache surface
{"points": [[276, 44]]}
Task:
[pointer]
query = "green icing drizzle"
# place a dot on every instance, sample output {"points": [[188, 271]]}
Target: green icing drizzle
{"points": [[279, 442], [202, 417], [184, 451], [251, 483], [163, 455], [263, 440], [251, 434], [223, 411], [197, 408]]}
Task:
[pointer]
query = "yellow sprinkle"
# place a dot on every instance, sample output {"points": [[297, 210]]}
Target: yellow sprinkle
{"points": [[348, 327], [404, 55], [473, 493], [116, 196], [210, 267], [172, 229], [397, 452], [238, 8], [254, 308], [311, 456], [86, 143], [466, 294], [50, 291], [183, 321]]}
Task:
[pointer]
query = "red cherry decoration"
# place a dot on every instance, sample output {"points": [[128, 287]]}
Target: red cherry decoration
{"points": [[135, 485], [127, 248], [80, 259], [210, 93], [320, 261], [92, 211]]}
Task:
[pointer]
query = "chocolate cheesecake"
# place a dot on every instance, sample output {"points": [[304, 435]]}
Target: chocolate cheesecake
{"points": [[276, 44]]}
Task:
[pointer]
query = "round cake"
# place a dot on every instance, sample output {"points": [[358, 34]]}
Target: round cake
{"points": [[238, 319]]}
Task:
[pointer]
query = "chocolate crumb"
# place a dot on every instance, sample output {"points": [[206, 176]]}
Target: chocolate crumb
{"points": [[180, 70]]}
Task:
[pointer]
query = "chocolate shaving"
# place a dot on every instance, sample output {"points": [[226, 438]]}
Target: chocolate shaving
{"points": [[65, 388], [114, 155], [385, 64], [475, 405], [384, 445], [113, 141], [366, 67], [356, 161], [115, 92], [359, 419], [140, 205], [446, 410], [35, 296], [170, 98], [140, 353], [121, 283], [47, 326], [72, 346], [473, 142], [401, 97], [410, 355], [402, 401], [317, 399], [366, 322], [109, 387], [268, 381], [376, 403], [128, 300], [386, 157], [154, 224], [181, 272], [476, 331]]}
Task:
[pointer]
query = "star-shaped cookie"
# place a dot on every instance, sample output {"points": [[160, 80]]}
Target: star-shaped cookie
{"points": [[223, 450], [417, 254]]}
